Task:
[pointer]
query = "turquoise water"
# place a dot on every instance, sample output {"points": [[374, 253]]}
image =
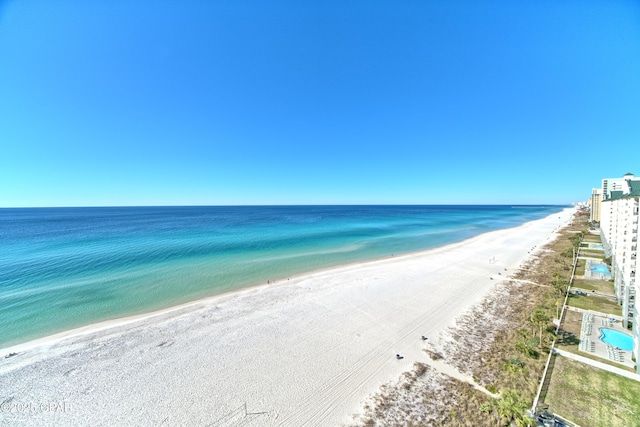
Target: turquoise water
{"points": [[597, 268], [66, 267], [616, 339]]}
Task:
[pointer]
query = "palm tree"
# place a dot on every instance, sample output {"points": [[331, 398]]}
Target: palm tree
{"points": [[540, 319], [561, 285], [512, 406]]}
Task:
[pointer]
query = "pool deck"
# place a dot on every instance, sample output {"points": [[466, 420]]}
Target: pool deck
{"points": [[593, 246], [590, 334], [590, 274]]}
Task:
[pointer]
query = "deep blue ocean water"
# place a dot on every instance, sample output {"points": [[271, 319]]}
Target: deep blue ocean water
{"points": [[66, 267]]}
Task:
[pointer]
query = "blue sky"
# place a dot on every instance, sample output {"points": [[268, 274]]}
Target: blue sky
{"points": [[329, 102]]}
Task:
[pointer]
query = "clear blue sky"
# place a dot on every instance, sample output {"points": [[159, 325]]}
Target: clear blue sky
{"points": [[134, 102]]}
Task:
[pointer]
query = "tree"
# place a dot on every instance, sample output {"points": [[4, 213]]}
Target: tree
{"points": [[512, 407], [540, 319], [560, 285], [523, 342]]}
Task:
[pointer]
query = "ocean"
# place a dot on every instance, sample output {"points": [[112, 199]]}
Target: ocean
{"points": [[62, 268]]}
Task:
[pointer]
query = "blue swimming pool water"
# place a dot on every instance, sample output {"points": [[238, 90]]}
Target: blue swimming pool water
{"points": [[600, 269], [597, 247], [616, 339]]}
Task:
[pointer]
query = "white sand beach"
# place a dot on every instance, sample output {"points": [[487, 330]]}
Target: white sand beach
{"points": [[302, 352]]}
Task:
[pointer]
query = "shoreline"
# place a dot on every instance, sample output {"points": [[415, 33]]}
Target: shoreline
{"points": [[306, 351], [102, 325]]}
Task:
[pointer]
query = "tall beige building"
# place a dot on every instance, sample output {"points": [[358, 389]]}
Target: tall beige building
{"points": [[619, 217], [595, 203]]}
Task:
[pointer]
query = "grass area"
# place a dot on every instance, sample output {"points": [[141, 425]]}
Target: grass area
{"points": [[592, 238], [575, 350], [595, 253], [604, 287], [596, 303], [591, 397], [580, 267]]}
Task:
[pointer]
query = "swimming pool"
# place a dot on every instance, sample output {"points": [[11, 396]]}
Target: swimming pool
{"points": [[599, 268], [616, 339]]}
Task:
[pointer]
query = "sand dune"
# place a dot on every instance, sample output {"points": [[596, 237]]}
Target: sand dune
{"points": [[305, 352]]}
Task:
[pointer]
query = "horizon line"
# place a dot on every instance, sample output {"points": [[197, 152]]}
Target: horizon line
{"points": [[288, 205]]}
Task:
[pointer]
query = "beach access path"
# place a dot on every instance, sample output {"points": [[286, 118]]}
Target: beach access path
{"points": [[302, 352]]}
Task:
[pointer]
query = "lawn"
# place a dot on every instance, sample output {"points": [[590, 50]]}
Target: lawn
{"points": [[592, 397], [580, 267], [593, 238], [604, 287], [596, 303], [592, 253]]}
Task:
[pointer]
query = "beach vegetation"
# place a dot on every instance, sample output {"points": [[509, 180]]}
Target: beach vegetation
{"points": [[576, 239], [431, 399], [540, 319], [560, 283], [502, 343], [561, 286], [526, 343], [492, 389], [512, 407], [486, 407]]}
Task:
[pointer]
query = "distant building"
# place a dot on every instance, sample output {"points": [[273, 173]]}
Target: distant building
{"points": [[595, 202], [620, 212], [610, 185]]}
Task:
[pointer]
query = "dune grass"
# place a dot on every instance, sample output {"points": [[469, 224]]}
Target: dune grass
{"points": [[507, 356]]}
